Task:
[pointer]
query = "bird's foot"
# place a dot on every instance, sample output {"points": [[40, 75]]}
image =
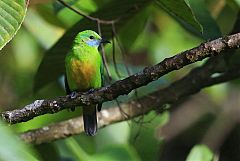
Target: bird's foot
{"points": [[73, 94], [91, 90]]}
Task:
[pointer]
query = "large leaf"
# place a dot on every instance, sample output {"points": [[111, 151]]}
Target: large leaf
{"points": [[11, 16], [179, 10], [209, 25], [52, 65], [131, 31], [193, 16], [12, 148]]}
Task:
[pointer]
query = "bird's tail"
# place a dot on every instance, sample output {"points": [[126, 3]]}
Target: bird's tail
{"points": [[90, 120]]}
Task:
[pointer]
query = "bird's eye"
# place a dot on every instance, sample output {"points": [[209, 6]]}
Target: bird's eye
{"points": [[91, 37]]}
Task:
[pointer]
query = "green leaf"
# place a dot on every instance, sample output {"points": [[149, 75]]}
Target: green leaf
{"points": [[80, 154], [11, 17], [117, 153], [131, 31], [226, 24], [111, 133], [12, 148], [68, 17], [45, 33], [58, 7], [142, 136], [238, 2], [200, 153], [179, 10], [114, 152], [209, 25], [52, 65], [48, 152]]}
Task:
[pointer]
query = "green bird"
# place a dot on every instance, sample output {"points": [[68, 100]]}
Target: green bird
{"points": [[84, 71]]}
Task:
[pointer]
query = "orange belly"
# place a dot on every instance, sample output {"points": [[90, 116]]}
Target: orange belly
{"points": [[82, 75]]}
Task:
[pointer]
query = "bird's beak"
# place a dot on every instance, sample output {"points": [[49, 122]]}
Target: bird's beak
{"points": [[103, 41]]}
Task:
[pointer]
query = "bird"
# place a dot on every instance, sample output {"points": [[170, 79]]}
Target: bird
{"points": [[84, 72]]}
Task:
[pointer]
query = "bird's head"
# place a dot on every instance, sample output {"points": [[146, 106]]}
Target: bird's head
{"points": [[89, 38]]}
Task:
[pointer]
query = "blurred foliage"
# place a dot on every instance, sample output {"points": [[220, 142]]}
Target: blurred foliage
{"points": [[31, 67], [200, 153], [12, 147]]}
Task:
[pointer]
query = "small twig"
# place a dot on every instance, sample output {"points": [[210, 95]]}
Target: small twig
{"points": [[107, 22], [114, 54], [125, 115], [103, 54], [122, 50], [110, 92]]}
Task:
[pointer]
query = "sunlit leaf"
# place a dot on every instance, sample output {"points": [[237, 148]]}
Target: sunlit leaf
{"points": [[68, 17], [45, 33], [238, 2], [11, 16], [58, 7], [200, 153], [47, 13]]}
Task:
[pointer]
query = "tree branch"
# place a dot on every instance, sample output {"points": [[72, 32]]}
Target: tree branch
{"points": [[125, 86], [196, 80]]}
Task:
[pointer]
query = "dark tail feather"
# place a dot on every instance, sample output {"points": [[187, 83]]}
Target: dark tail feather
{"points": [[90, 120], [99, 107]]}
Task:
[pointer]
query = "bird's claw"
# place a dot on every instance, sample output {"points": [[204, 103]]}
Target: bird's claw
{"points": [[73, 94], [91, 90]]}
